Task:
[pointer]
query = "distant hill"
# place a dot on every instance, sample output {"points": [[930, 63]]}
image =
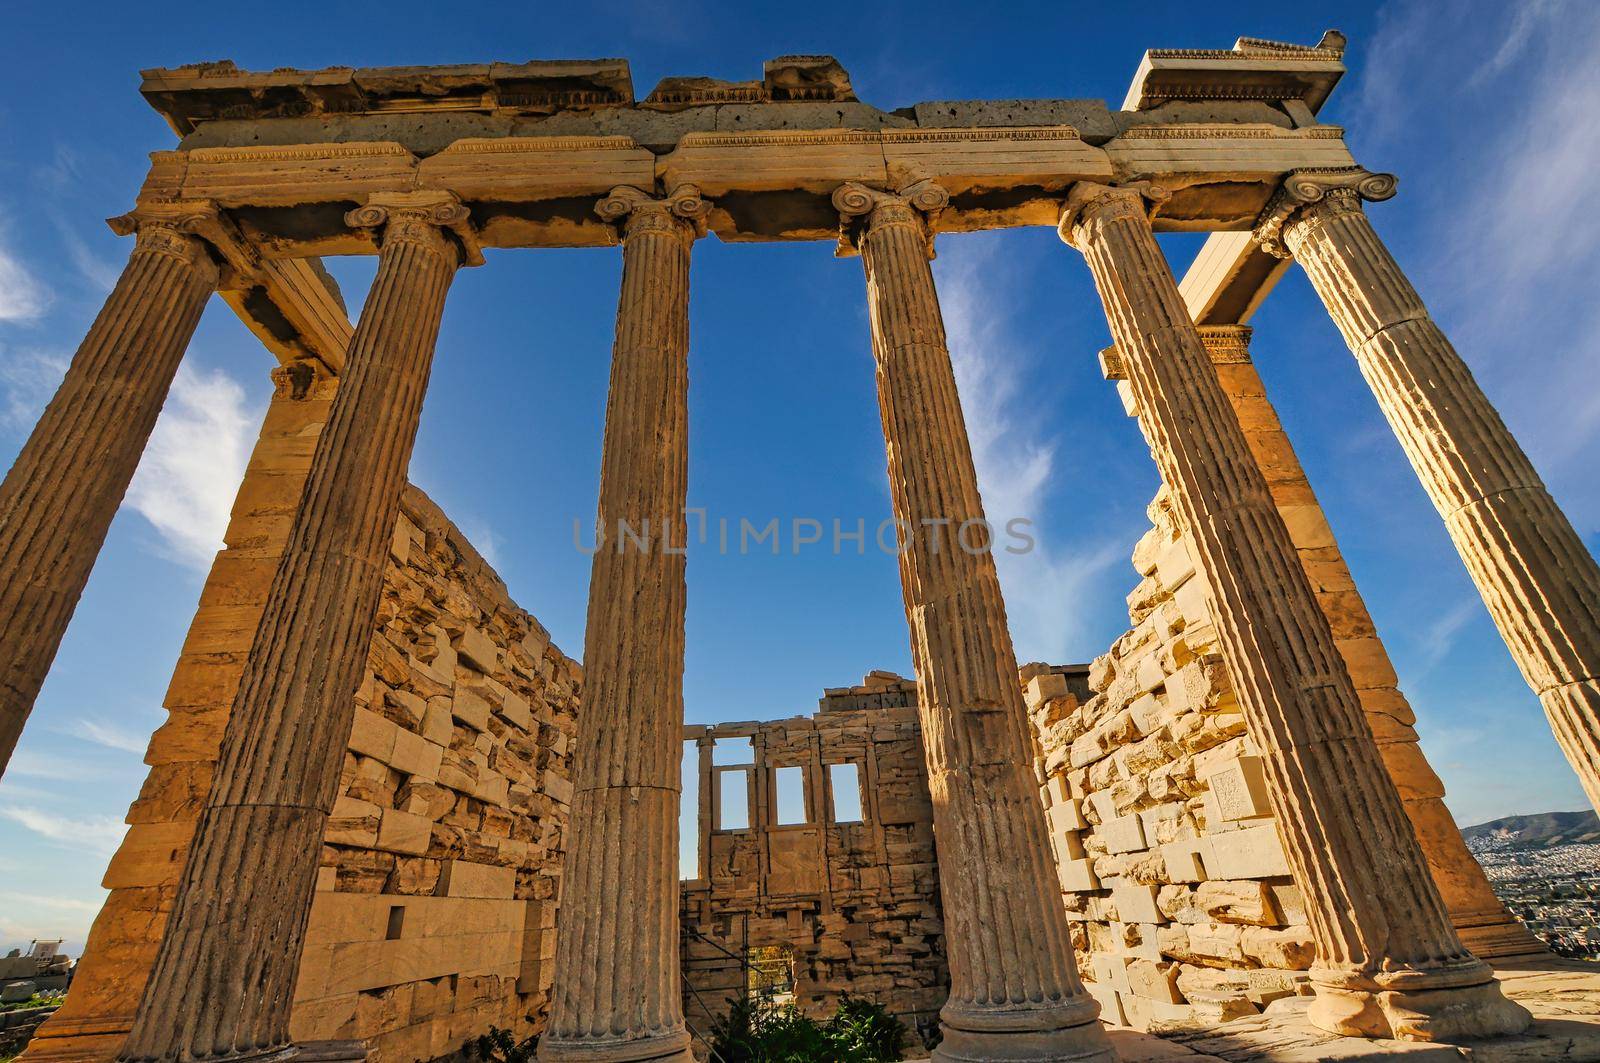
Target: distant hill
{"points": [[1538, 831]]}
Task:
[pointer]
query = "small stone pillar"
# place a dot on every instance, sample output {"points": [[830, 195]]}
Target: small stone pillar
{"points": [[617, 993], [1014, 988], [224, 978], [1540, 582], [1481, 921], [58, 500], [1389, 962]]}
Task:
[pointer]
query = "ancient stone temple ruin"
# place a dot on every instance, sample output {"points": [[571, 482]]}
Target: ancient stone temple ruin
{"points": [[385, 814]]}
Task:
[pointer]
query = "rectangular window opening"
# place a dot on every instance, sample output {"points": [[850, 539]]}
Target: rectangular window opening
{"points": [[733, 800], [789, 803], [731, 752], [689, 814], [397, 922], [845, 782]]}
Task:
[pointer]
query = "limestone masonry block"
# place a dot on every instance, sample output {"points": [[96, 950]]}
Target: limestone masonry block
{"points": [[463, 878], [1045, 686], [1240, 788], [1123, 834], [1254, 852]]}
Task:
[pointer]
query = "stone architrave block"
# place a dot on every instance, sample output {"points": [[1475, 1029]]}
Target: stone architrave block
{"points": [[1240, 787], [1253, 852], [1124, 834]]}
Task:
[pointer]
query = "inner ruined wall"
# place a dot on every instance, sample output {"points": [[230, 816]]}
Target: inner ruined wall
{"points": [[1170, 862], [441, 867], [857, 902], [434, 911]]}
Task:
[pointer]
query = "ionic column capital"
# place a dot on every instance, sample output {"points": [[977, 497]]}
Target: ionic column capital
{"points": [[426, 219], [864, 209], [191, 230], [1089, 202], [681, 212], [1307, 195]]}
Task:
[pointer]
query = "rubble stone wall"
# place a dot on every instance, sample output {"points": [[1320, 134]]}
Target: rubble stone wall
{"points": [[857, 902], [1170, 861], [435, 912], [448, 830]]}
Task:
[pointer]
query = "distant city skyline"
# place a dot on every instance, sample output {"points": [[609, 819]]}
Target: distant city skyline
{"points": [[1473, 112]]}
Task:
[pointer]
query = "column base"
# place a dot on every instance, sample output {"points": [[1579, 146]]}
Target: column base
{"points": [[66, 1039], [665, 1048], [1454, 1003], [1067, 1032]]}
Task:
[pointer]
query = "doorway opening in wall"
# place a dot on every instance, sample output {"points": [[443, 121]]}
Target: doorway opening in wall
{"points": [[769, 973]]}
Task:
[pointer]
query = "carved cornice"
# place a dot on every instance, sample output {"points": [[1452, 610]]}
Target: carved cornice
{"points": [[1090, 201], [1337, 190], [194, 230], [864, 209], [1230, 132], [681, 212], [422, 218]]}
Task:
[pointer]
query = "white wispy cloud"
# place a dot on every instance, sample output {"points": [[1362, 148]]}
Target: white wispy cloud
{"points": [[1437, 639], [192, 467], [28, 377], [22, 296], [34, 765], [109, 735], [1016, 458], [99, 835]]}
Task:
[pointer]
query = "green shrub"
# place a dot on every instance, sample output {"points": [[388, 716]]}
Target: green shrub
{"points": [[500, 1046], [758, 1031]]}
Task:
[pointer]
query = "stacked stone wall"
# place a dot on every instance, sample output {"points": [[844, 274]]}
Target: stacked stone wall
{"points": [[454, 793], [441, 868], [1171, 865], [856, 902]]}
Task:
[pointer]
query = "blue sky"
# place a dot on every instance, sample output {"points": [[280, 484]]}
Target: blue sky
{"points": [[1485, 110]]}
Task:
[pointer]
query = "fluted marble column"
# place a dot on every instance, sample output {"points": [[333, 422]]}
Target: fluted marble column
{"points": [[1014, 988], [58, 500], [223, 980], [617, 993], [1389, 963], [1481, 920], [1540, 582]]}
